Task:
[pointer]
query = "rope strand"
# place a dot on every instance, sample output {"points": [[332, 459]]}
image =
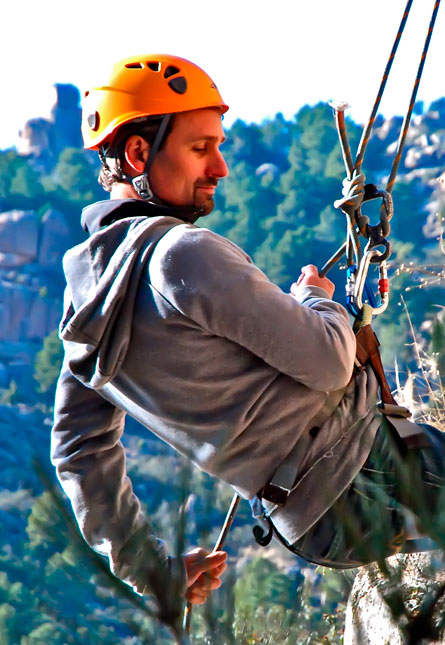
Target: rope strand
{"points": [[367, 132], [352, 237], [407, 120]]}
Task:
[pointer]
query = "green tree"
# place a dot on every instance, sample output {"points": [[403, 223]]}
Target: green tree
{"points": [[48, 362], [76, 176], [9, 395], [10, 163], [26, 183], [262, 583]]}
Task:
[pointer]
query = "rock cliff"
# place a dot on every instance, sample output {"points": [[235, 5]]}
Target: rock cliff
{"points": [[416, 579], [31, 286], [43, 139]]}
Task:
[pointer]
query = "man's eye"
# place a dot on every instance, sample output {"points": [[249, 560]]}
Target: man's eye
{"points": [[199, 149]]}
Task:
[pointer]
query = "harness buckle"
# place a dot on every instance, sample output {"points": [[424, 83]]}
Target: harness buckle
{"points": [[391, 410], [142, 186], [275, 494]]}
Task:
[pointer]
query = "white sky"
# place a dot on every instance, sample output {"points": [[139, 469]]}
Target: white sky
{"points": [[265, 56]]}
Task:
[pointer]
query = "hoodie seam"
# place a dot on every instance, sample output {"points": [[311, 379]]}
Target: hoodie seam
{"points": [[182, 313]]}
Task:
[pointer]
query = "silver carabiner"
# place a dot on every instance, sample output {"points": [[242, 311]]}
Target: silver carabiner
{"points": [[373, 255]]}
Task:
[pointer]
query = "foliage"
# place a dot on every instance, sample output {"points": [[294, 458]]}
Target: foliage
{"points": [[437, 346], [48, 362], [8, 395], [73, 174], [79, 601], [277, 204], [26, 183]]}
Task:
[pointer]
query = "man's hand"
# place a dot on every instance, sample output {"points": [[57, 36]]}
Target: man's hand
{"points": [[204, 570], [309, 277]]}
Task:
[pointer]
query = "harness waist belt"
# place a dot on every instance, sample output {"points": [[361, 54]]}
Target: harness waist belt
{"points": [[278, 489]]}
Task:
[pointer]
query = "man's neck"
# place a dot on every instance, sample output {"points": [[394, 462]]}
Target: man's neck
{"points": [[121, 190]]}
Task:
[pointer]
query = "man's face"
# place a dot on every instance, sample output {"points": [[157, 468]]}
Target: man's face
{"points": [[187, 169]]}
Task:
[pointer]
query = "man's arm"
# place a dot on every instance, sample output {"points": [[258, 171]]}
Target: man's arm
{"points": [[90, 463], [304, 334]]}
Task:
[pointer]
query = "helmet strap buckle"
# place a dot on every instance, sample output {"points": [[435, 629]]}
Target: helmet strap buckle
{"points": [[142, 186], [141, 183]]}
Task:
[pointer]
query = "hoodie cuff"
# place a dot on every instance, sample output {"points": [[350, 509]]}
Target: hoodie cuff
{"points": [[143, 563], [178, 572], [306, 292]]}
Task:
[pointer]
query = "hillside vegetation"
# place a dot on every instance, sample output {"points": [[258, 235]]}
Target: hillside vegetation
{"points": [[277, 204]]}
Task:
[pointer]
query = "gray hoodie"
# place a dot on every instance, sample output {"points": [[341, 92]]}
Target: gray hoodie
{"points": [[175, 326]]}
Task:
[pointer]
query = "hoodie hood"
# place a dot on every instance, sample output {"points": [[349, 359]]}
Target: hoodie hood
{"points": [[104, 213], [103, 275]]}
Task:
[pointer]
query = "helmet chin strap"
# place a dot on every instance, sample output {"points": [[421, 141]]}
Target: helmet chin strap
{"points": [[141, 183]]}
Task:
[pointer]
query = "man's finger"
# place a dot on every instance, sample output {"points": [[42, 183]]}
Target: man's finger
{"points": [[212, 573], [196, 598], [218, 571], [211, 561], [202, 588], [198, 562], [205, 584]]}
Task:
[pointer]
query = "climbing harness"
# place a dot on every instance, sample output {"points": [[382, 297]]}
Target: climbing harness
{"points": [[357, 288], [360, 298], [409, 435]]}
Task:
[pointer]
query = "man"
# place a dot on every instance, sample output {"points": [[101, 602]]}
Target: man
{"points": [[175, 326]]}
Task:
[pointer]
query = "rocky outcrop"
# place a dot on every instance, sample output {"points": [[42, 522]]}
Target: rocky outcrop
{"points": [[43, 139], [35, 139], [18, 238], [54, 239], [31, 287], [25, 239], [415, 579], [26, 313], [66, 116]]}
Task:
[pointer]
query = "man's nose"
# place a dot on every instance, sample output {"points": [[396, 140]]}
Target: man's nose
{"points": [[218, 167]]}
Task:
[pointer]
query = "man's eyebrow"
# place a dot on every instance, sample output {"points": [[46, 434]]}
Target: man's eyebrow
{"points": [[210, 138]]}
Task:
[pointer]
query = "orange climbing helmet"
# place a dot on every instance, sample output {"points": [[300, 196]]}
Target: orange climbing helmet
{"points": [[149, 85]]}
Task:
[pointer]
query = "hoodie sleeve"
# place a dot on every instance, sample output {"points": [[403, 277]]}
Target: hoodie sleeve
{"points": [[90, 463], [213, 282]]}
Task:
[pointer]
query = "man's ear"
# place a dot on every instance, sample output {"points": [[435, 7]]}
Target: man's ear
{"points": [[136, 153]]}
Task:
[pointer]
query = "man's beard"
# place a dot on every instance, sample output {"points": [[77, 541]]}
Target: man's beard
{"points": [[205, 203]]}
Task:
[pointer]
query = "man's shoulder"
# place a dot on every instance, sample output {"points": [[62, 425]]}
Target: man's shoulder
{"points": [[185, 239], [192, 259]]}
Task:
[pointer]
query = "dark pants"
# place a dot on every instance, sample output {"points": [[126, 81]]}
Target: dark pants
{"points": [[368, 521]]}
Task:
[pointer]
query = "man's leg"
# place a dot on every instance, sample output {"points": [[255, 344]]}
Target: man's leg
{"points": [[373, 518]]}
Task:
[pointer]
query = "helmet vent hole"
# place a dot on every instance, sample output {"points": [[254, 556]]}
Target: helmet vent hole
{"points": [[93, 121], [171, 69], [155, 66], [134, 66], [178, 85]]}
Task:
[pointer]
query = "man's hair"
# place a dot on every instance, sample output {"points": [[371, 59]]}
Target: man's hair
{"points": [[112, 155]]}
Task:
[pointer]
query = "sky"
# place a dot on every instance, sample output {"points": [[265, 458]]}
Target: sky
{"points": [[266, 56]]}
